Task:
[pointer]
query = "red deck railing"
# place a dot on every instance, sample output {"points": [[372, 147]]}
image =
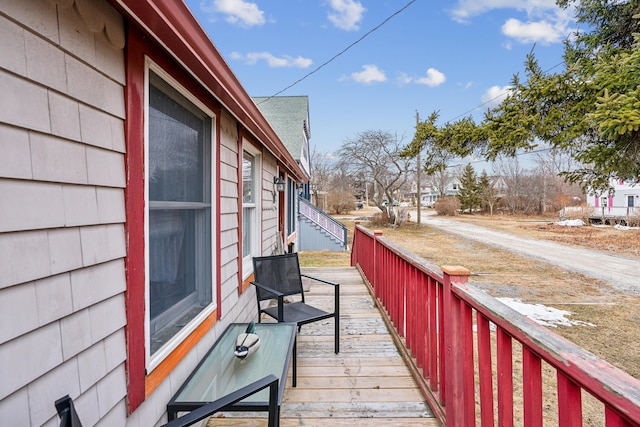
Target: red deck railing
{"points": [[434, 309]]}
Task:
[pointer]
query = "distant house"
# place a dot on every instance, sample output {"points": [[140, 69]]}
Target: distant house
{"points": [[289, 117], [624, 194], [430, 193], [307, 226], [136, 184], [499, 184], [623, 202]]}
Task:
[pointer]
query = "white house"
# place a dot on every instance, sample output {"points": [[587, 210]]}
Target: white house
{"points": [[621, 204], [136, 183], [624, 194]]}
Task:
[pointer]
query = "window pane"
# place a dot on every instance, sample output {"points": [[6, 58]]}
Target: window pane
{"points": [[246, 231], [171, 252], [176, 150], [179, 240], [247, 178]]}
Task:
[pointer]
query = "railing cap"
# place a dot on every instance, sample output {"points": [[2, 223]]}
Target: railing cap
{"points": [[455, 270]]}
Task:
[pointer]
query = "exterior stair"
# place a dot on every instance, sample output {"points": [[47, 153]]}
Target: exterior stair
{"points": [[318, 231]]}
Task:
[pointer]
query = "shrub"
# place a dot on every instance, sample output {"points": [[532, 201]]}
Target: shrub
{"points": [[583, 212], [402, 216], [340, 202], [633, 220], [448, 206], [380, 219]]}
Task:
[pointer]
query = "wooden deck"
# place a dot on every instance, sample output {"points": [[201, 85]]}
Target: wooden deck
{"points": [[367, 384]]}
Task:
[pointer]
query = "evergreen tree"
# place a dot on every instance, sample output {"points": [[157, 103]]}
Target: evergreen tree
{"points": [[468, 194], [589, 109]]}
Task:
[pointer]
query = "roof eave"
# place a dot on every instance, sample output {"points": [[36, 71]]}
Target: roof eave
{"points": [[174, 27]]}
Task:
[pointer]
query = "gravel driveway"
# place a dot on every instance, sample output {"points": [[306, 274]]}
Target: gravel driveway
{"points": [[620, 272]]}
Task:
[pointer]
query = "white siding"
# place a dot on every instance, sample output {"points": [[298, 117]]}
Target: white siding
{"points": [[62, 241], [270, 234], [229, 268]]}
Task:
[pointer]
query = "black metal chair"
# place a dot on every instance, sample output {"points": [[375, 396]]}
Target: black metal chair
{"points": [[278, 276], [67, 412]]}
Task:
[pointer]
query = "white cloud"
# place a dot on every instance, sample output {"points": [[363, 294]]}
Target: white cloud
{"points": [[346, 14], [238, 12], [494, 95], [404, 79], [545, 21], [434, 78], [541, 31], [466, 9], [369, 74], [272, 61]]}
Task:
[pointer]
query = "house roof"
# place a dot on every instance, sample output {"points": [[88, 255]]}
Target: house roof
{"points": [[289, 117], [174, 27]]}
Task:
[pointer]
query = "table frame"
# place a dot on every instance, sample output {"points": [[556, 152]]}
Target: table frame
{"points": [[174, 407]]}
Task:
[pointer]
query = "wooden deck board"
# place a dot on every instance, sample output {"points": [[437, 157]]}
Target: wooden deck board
{"points": [[366, 384]]}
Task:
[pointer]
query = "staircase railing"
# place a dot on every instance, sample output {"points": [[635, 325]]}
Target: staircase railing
{"points": [[322, 220]]}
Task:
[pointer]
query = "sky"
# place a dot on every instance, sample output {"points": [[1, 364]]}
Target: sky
{"points": [[456, 58]]}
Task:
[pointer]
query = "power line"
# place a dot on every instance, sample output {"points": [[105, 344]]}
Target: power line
{"points": [[341, 52]]}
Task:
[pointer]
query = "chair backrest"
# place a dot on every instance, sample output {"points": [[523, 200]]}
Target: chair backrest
{"points": [[278, 272]]}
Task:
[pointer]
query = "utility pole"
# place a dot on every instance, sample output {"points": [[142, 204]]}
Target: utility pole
{"points": [[418, 170]]}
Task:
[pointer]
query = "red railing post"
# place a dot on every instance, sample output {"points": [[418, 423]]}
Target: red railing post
{"points": [[570, 402], [485, 376], [532, 388], [434, 333], [354, 246], [377, 257], [504, 361], [452, 374]]}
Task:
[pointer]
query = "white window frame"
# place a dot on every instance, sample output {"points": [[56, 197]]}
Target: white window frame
{"points": [[152, 361], [256, 220]]}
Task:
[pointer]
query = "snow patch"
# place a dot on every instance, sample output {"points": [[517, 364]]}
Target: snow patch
{"points": [[543, 315], [571, 223], [624, 227]]}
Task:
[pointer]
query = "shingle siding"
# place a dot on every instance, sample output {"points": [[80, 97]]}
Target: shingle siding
{"points": [[62, 237]]}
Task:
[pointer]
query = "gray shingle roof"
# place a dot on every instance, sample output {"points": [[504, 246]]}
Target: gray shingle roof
{"points": [[289, 118]]}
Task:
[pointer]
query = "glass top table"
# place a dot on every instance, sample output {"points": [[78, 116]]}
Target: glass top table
{"points": [[220, 372]]}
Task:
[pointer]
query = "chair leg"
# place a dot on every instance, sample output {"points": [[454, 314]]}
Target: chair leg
{"points": [[294, 380], [337, 334]]}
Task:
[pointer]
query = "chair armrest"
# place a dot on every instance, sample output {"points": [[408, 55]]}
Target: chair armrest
{"points": [[277, 294], [320, 280]]}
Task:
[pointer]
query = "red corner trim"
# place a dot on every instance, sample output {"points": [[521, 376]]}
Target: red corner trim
{"points": [[134, 202]]}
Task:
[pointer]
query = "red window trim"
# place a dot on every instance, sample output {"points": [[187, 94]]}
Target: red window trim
{"points": [[243, 135], [138, 47]]}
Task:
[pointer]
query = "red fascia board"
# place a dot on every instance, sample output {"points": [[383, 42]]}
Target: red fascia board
{"points": [[173, 26]]}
